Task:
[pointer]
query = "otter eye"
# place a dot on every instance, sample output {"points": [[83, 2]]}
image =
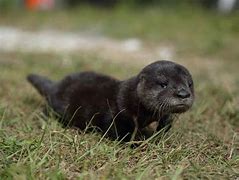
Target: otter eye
{"points": [[163, 85]]}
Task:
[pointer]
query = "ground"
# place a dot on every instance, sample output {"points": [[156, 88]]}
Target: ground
{"points": [[203, 143]]}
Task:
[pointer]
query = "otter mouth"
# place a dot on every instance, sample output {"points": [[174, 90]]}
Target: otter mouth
{"points": [[180, 108]]}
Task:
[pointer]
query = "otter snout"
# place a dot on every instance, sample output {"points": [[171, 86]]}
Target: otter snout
{"points": [[182, 93], [182, 101]]}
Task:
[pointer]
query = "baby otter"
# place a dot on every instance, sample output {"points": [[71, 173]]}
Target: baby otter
{"points": [[120, 109]]}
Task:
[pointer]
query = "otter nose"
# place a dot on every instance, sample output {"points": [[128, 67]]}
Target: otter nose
{"points": [[182, 93]]}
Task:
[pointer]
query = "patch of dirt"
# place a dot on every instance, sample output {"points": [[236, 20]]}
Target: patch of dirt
{"points": [[12, 39]]}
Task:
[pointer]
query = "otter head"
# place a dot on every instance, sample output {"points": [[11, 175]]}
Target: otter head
{"points": [[165, 87]]}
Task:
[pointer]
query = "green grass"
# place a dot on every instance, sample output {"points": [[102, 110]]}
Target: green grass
{"points": [[203, 143]]}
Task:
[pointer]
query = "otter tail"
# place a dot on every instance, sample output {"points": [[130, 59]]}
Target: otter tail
{"points": [[43, 85]]}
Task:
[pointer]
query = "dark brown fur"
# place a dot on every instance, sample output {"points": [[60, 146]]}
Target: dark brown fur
{"points": [[120, 108]]}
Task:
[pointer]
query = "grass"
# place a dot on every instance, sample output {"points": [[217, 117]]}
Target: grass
{"points": [[203, 143]]}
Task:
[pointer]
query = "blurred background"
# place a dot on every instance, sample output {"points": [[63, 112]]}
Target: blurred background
{"points": [[153, 29], [221, 5], [136, 31]]}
